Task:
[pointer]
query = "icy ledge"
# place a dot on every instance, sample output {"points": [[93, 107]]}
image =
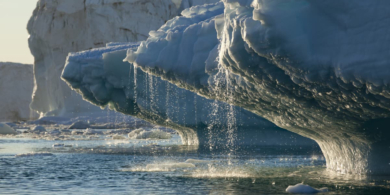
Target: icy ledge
{"points": [[316, 68], [103, 79]]}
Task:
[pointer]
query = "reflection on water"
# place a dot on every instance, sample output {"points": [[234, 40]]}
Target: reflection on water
{"points": [[102, 166]]}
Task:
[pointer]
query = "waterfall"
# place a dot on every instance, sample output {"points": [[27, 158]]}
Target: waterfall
{"points": [[231, 117], [135, 89], [152, 96]]}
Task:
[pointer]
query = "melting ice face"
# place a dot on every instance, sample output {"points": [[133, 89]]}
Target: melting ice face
{"points": [[102, 77], [303, 65]]}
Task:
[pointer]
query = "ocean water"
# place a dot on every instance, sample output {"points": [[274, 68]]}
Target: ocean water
{"points": [[100, 165]]}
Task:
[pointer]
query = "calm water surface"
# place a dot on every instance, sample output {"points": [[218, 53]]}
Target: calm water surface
{"points": [[159, 167]]}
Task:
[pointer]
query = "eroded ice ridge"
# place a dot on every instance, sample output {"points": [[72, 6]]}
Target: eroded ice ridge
{"points": [[62, 26], [16, 86], [317, 68], [104, 79]]}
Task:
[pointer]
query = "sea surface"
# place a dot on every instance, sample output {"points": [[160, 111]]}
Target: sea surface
{"points": [[100, 165]]}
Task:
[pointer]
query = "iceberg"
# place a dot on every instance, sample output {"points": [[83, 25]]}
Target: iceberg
{"points": [[105, 80], [6, 130], [316, 68], [304, 189], [16, 93], [62, 26], [153, 134]]}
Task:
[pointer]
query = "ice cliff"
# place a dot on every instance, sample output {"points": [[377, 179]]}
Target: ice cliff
{"points": [[316, 68], [16, 86], [62, 26]]}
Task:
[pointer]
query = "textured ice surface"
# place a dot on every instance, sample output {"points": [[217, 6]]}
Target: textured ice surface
{"points": [[304, 189], [104, 79], [16, 86]]}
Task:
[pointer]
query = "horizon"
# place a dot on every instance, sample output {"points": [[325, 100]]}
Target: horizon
{"points": [[14, 35]]}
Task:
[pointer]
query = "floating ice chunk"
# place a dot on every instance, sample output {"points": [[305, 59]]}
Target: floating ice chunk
{"points": [[53, 133], [32, 154], [77, 133], [92, 132], [118, 137], [153, 134], [304, 189], [5, 129], [57, 145], [196, 161], [38, 129], [168, 166], [79, 125], [66, 131], [118, 132]]}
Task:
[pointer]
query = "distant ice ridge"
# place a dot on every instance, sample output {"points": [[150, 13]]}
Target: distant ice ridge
{"points": [[62, 26], [16, 86], [317, 68]]}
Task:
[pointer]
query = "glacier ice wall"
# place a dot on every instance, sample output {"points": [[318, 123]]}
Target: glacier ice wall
{"points": [[62, 26], [16, 86], [317, 68]]}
